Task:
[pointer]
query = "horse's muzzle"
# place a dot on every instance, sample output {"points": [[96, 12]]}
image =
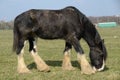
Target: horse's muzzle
{"points": [[100, 69]]}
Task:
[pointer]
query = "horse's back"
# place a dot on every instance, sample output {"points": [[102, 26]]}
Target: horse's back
{"points": [[49, 24]]}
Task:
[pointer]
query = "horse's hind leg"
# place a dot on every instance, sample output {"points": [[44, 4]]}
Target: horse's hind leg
{"points": [[21, 64], [66, 65], [41, 65]]}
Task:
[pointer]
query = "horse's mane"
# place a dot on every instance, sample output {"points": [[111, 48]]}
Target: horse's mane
{"points": [[84, 20], [89, 27]]}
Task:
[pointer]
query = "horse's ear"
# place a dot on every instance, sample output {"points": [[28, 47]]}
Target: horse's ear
{"points": [[103, 40], [97, 38], [99, 42], [100, 45]]}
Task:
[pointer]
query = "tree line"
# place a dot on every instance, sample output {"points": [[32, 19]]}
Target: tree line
{"points": [[95, 20], [6, 25]]}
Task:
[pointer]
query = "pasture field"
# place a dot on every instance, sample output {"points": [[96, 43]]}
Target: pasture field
{"points": [[52, 53]]}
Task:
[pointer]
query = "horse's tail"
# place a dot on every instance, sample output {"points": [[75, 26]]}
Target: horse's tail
{"points": [[15, 37]]}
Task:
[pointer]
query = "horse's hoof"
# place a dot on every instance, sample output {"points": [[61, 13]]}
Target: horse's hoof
{"points": [[88, 72], [68, 68], [24, 71], [44, 69]]}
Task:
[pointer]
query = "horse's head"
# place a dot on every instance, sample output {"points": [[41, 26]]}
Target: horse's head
{"points": [[98, 56]]}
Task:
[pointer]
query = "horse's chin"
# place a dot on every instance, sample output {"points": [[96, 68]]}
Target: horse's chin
{"points": [[100, 69]]}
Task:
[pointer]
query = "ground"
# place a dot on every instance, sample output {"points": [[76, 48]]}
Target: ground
{"points": [[52, 53]]}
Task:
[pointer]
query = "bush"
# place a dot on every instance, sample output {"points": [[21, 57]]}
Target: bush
{"points": [[6, 25]]}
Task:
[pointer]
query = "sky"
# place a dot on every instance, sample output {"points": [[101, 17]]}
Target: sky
{"points": [[9, 9]]}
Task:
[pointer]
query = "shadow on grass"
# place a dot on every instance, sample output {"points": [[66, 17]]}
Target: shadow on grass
{"points": [[32, 66], [105, 69], [53, 63], [59, 64]]}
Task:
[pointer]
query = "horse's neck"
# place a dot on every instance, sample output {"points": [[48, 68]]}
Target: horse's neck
{"points": [[90, 41], [90, 35]]}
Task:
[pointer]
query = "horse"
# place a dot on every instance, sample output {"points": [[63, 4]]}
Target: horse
{"points": [[68, 24]]}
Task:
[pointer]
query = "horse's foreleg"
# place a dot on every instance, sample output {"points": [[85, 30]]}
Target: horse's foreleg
{"points": [[41, 65], [84, 64], [22, 68], [66, 65]]}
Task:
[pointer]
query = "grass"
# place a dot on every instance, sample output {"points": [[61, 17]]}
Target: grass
{"points": [[51, 52]]}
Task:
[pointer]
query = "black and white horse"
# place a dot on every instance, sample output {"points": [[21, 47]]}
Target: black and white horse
{"points": [[68, 24]]}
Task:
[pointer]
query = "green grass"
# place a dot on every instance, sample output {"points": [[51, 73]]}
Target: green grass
{"points": [[52, 53]]}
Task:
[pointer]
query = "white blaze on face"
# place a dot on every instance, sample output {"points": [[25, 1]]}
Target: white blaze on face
{"points": [[100, 69]]}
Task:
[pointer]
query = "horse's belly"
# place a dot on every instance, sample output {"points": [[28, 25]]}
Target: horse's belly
{"points": [[50, 35]]}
